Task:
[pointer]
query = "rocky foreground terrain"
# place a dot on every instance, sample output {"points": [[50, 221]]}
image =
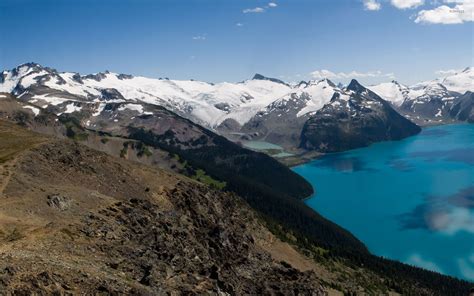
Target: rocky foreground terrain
{"points": [[73, 220], [136, 199], [78, 221]]}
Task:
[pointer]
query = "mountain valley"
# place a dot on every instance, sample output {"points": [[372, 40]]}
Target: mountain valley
{"points": [[144, 167]]}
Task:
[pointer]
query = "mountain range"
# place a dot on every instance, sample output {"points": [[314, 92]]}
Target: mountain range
{"points": [[261, 108], [96, 163]]}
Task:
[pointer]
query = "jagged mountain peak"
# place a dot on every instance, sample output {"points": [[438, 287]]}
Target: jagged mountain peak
{"points": [[302, 84], [262, 77], [329, 82], [321, 81], [356, 86], [29, 65], [435, 87]]}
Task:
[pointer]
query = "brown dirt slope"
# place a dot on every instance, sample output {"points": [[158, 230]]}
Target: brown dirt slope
{"points": [[77, 221]]}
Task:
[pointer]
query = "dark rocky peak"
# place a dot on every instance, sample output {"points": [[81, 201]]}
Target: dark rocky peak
{"points": [[26, 67], [111, 94], [355, 86], [261, 77], [302, 84], [124, 76], [329, 82], [77, 78], [336, 96], [97, 77], [30, 65]]}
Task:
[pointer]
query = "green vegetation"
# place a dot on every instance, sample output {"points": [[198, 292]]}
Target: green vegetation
{"points": [[124, 150], [276, 192], [140, 148], [203, 178], [74, 130]]}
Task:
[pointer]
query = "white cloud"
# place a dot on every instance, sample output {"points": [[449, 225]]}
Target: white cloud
{"points": [[405, 4], [199, 37], [239, 25], [253, 10], [321, 74], [417, 260], [372, 5], [447, 72], [461, 12], [260, 9], [466, 266]]}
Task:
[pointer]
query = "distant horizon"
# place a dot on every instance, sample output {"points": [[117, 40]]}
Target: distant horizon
{"points": [[225, 81], [211, 40]]}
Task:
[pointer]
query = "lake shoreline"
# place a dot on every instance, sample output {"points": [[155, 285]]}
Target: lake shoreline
{"points": [[407, 174], [308, 156]]}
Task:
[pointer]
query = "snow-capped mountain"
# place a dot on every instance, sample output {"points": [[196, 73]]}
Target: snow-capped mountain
{"points": [[225, 107], [434, 102], [397, 93], [355, 117], [260, 108], [392, 92], [282, 121], [428, 102], [205, 103], [460, 82]]}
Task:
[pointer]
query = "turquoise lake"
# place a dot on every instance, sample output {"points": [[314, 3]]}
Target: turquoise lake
{"points": [[409, 200]]}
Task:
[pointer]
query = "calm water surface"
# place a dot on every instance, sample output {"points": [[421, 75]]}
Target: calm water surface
{"points": [[410, 200]]}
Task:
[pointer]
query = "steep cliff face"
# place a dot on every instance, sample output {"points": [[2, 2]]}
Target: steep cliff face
{"points": [[354, 118], [463, 107]]}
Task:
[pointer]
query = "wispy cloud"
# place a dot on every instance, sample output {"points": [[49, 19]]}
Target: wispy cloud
{"points": [[466, 267], [372, 5], [417, 260], [406, 4], [253, 10], [199, 37], [239, 25], [260, 9], [461, 12], [321, 74]]}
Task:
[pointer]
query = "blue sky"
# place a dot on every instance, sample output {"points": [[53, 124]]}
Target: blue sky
{"points": [[215, 40]]}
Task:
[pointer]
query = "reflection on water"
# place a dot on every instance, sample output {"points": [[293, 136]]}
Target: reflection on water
{"points": [[342, 163], [465, 155], [410, 200], [447, 214], [438, 132], [464, 198], [401, 165]]}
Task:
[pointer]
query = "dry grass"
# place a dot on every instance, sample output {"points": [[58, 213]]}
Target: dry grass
{"points": [[14, 139]]}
